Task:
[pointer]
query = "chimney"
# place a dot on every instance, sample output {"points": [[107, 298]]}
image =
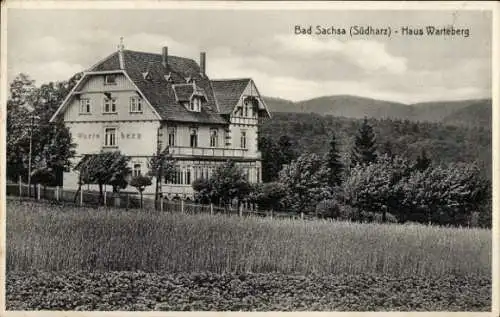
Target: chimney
{"points": [[202, 62], [164, 56]]}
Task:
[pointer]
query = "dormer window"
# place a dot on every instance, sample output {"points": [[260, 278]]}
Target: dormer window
{"points": [[146, 75], [110, 80], [168, 77], [195, 104]]}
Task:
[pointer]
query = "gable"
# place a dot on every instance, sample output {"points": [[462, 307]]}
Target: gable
{"points": [[92, 87], [230, 94]]}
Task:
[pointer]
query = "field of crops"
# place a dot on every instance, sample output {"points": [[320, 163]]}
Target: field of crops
{"points": [[242, 292], [412, 266]]}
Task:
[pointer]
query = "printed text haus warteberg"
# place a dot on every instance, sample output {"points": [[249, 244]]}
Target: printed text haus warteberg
{"points": [[137, 103]]}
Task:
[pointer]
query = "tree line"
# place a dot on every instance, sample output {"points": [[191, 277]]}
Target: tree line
{"points": [[366, 184], [445, 144]]}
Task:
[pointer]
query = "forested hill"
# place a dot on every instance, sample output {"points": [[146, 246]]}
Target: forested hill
{"points": [[359, 107], [309, 132], [475, 115]]}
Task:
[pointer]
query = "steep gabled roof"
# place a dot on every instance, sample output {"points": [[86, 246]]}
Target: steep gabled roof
{"points": [[158, 90], [228, 93]]}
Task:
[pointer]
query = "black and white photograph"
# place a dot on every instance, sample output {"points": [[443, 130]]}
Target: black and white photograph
{"points": [[249, 156]]}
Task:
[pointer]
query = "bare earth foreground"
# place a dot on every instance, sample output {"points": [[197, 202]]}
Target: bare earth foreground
{"points": [[66, 258]]}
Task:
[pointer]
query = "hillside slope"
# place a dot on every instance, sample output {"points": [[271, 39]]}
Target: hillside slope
{"points": [[477, 114], [449, 112]]}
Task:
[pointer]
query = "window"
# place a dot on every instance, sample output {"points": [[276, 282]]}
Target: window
{"points": [[110, 80], [194, 138], [135, 104], [181, 177], [110, 137], [246, 108], [171, 136], [243, 140], [84, 106], [137, 170], [109, 105], [195, 104], [214, 138]]}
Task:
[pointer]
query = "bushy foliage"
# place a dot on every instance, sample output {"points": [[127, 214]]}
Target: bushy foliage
{"points": [[275, 154], [371, 187], [438, 195], [204, 192], [268, 196], [43, 176], [106, 168], [227, 182], [443, 195], [306, 183], [29, 110]]}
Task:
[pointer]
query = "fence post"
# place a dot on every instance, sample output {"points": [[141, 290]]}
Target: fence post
{"points": [[38, 191], [211, 208], [182, 205], [81, 197], [105, 191], [271, 214], [128, 200], [57, 193], [241, 210], [302, 215], [161, 203], [20, 188]]}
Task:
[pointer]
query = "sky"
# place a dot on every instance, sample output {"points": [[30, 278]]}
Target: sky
{"points": [[52, 45]]}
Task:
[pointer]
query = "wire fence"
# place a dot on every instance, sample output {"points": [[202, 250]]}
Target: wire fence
{"points": [[132, 200]]}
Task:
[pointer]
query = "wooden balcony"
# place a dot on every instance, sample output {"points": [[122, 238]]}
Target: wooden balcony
{"points": [[186, 151]]}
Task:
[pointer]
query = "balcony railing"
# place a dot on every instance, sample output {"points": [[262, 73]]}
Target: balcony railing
{"points": [[214, 152], [244, 120]]}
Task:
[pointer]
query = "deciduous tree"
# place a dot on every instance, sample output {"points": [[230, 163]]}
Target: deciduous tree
{"points": [[229, 182], [107, 168], [306, 183], [140, 182]]}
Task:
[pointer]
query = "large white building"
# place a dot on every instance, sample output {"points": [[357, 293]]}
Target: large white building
{"points": [[137, 103]]}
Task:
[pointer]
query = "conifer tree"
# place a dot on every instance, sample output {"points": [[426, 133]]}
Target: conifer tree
{"points": [[333, 163], [364, 148], [423, 161]]}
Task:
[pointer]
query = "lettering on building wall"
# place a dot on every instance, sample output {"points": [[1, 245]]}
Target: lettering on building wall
{"points": [[131, 135], [93, 136], [87, 136]]}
